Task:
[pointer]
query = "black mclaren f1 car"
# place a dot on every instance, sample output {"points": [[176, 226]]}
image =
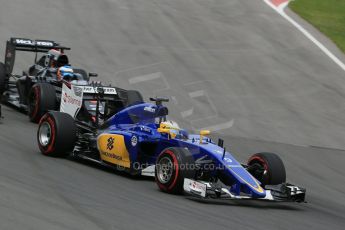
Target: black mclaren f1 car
{"points": [[39, 89]]}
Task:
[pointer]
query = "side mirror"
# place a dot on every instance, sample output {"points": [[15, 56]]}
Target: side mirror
{"points": [[159, 100], [93, 75]]}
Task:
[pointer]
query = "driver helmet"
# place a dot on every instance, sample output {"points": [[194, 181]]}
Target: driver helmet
{"points": [[169, 125], [56, 59], [172, 126], [65, 71], [52, 58], [54, 54], [62, 60]]}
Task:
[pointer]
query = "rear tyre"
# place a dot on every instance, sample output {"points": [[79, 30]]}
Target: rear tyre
{"points": [[2, 78], [172, 166], [57, 134], [42, 98], [134, 97], [268, 168]]}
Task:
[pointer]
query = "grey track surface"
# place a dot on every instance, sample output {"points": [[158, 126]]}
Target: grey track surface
{"points": [[224, 63]]}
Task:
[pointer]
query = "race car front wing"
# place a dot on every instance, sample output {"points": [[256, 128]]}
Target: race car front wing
{"points": [[282, 192]]}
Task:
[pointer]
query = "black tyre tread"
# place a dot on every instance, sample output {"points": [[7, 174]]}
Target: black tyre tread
{"points": [[2, 78], [47, 94], [65, 134], [134, 97], [183, 157], [277, 173]]}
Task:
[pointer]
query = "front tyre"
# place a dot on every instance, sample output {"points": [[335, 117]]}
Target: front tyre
{"points": [[172, 166], [56, 135], [267, 168]]}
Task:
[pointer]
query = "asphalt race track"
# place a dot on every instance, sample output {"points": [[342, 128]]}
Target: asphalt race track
{"points": [[234, 66]]}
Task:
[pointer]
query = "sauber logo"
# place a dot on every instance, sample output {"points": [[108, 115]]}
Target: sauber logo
{"points": [[149, 109]]}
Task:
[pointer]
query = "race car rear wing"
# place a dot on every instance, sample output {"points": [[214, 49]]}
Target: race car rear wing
{"points": [[28, 45]]}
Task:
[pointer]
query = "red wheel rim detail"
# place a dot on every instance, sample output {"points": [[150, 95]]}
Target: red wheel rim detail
{"points": [[176, 168], [50, 146], [265, 178], [257, 158]]}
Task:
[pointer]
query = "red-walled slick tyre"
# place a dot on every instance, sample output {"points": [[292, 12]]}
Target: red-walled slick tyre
{"points": [[268, 168], [56, 135], [42, 98], [172, 166]]}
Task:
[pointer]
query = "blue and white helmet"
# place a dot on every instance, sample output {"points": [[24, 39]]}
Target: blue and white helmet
{"points": [[65, 71]]}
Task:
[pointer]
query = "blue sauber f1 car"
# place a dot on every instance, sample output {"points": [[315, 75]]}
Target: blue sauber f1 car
{"points": [[141, 141]]}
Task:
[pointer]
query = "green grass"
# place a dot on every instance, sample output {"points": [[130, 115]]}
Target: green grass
{"points": [[326, 15]]}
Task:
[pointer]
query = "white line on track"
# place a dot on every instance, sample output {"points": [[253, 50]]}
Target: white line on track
{"points": [[280, 10], [219, 127]]}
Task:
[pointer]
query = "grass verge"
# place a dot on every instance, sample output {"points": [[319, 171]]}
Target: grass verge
{"points": [[326, 15]]}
